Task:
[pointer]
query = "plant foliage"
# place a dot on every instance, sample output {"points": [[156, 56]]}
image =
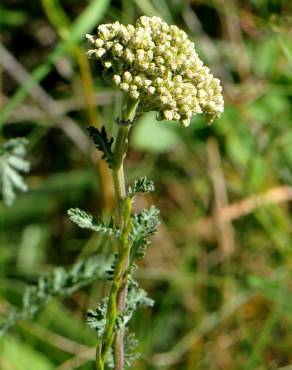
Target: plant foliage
{"points": [[87, 221], [97, 319], [136, 297], [102, 143], [59, 283], [141, 185], [12, 165], [144, 225]]}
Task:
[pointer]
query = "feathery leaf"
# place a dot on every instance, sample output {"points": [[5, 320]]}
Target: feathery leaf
{"points": [[144, 224], [141, 185], [102, 143], [12, 163], [59, 283], [87, 221]]}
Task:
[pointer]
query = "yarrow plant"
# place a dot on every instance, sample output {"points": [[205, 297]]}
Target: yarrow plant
{"points": [[157, 69]]}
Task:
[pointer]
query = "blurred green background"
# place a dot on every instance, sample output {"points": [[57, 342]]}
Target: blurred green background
{"points": [[220, 267]]}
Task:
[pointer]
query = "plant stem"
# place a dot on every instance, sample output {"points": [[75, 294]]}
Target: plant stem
{"points": [[118, 292]]}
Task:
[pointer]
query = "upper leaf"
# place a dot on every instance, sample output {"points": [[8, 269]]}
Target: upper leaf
{"points": [[102, 143], [87, 221], [12, 163]]}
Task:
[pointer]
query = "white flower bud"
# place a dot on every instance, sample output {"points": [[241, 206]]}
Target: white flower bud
{"points": [[100, 52], [124, 86], [140, 55], [149, 55], [202, 94], [176, 116], [144, 21], [129, 56], [144, 66], [168, 114], [91, 53], [163, 99], [151, 90], [138, 80], [178, 79], [159, 60], [103, 32], [134, 94], [127, 77], [117, 80], [158, 81], [162, 70], [186, 122], [118, 50], [151, 68], [147, 82], [160, 49], [99, 43], [162, 89], [90, 38], [107, 64]]}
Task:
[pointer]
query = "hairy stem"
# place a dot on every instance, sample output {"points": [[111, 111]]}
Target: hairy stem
{"points": [[118, 292]]}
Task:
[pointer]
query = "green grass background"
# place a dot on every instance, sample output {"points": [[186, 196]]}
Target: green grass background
{"points": [[220, 267]]}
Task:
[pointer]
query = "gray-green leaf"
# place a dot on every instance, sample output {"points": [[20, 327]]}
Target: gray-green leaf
{"points": [[12, 164]]}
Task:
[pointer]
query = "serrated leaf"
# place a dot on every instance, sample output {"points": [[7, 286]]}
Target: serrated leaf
{"points": [[144, 224], [12, 164], [58, 283], [96, 319], [136, 297], [131, 344], [87, 221], [130, 354], [141, 185], [102, 143]]}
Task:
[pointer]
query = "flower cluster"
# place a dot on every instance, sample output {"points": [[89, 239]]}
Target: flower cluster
{"points": [[158, 65]]}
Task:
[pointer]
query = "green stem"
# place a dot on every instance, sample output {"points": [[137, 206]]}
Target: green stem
{"points": [[118, 292]]}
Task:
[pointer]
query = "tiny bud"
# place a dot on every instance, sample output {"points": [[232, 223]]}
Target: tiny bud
{"points": [[124, 86], [163, 99], [90, 38], [138, 81], [99, 43], [118, 49], [127, 77], [107, 64], [117, 80], [100, 52], [159, 81], [186, 122], [168, 114], [144, 66], [134, 95], [129, 56], [147, 82], [151, 90]]}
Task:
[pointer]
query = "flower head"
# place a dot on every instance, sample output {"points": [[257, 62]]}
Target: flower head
{"points": [[158, 65]]}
